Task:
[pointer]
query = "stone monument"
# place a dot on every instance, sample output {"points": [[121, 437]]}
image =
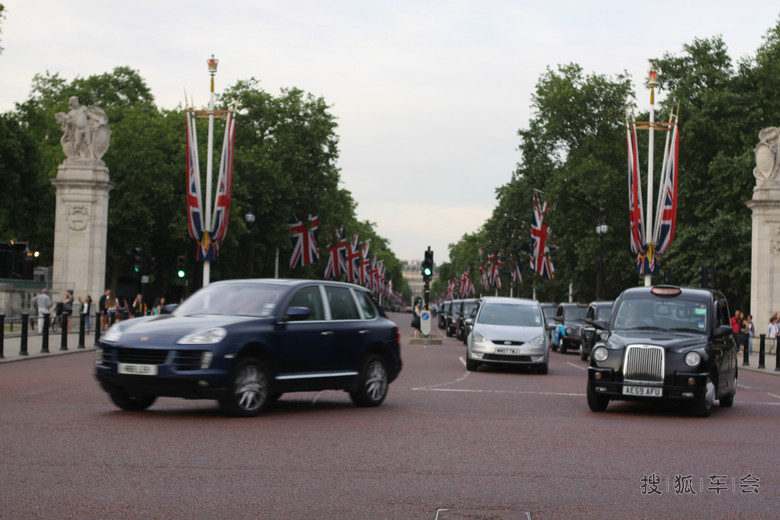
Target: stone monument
{"points": [[765, 205], [81, 217]]}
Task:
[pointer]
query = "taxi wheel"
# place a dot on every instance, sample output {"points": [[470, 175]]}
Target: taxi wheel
{"points": [[130, 402], [729, 399], [372, 383], [596, 402], [248, 389], [703, 408], [561, 345]]}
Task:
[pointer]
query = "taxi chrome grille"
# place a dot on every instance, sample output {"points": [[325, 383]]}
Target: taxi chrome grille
{"points": [[644, 363]]}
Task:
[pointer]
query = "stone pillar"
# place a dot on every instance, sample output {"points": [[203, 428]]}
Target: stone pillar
{"points": [[765, 205], [81, 228]]}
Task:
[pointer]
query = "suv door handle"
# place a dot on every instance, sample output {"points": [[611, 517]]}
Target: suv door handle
{"points": [[327, 333], [364, 332]]}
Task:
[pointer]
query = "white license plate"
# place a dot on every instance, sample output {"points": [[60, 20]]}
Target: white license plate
{"points": [[137, 370], [508, 351], [650, 391]]}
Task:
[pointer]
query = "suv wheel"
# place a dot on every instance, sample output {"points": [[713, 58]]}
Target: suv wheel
{"points": [[372, 383], [248, 389], [130, 402]]}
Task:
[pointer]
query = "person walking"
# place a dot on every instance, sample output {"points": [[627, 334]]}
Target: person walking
{"points": [[86, 309], [750, 331], [67, 306], [43, 302], [771, 334]]}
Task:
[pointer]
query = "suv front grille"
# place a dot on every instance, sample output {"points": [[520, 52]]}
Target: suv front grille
{"points": [[141, 356], [644, 363]]}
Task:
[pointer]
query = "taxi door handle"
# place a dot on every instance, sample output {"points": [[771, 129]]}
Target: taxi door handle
{"points": [[364, 332], [327, 333]]}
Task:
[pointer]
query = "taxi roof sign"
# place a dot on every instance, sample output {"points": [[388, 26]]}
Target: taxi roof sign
{"points": [[665, 290]]}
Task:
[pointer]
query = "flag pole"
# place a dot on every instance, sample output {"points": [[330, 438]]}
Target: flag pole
{"points": [[653, 81], [212, 63]]}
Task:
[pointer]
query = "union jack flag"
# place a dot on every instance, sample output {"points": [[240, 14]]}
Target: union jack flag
{"points": [[517, 272], [466, 287], [494, 277], [194, 211], [219, 223], [635, 209], [450, 289], [666, 215], [353, 257], [540, 251], [304, 243], [365, 267], [337, 261]]}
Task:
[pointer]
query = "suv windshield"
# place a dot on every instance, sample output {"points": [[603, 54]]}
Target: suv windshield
{"points": [[233, 299], [510, 314], [669, 314]]}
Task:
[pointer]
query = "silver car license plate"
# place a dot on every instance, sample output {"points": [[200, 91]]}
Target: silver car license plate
{"points": [[508, 351]]}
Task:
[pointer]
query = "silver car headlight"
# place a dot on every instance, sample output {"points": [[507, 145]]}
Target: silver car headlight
{"points": [[478, 338], [692, 359], [600, 354], [538, 341], [204, 337]]}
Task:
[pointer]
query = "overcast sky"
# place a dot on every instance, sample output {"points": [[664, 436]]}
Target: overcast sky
{"points": [[428, 95]]}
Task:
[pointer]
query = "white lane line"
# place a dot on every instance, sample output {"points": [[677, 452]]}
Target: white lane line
{"points": [[465, 390], [576, 366], [773, 395], [433, 387]]}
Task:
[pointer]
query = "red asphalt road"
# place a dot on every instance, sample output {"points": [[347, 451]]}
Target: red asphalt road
{"points": [[502, 441]]}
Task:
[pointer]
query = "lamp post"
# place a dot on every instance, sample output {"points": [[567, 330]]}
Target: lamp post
{"points": [[250, 218], [601, 230]]}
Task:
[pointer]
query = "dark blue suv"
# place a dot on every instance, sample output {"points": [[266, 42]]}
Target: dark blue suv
{"points": [[246, 342]]}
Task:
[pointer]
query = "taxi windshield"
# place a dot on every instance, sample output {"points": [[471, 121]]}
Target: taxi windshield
{"points": [[676, 314]]}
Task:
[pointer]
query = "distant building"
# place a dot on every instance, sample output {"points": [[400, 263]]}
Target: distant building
{"points": [[412, 273]]}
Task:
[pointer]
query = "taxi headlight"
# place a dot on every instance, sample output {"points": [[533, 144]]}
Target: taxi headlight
{"points": [[600, 354], [204, 337], [692, 358]]}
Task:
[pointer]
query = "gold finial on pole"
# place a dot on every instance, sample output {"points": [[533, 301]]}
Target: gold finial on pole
{"points": [[212, 62]]}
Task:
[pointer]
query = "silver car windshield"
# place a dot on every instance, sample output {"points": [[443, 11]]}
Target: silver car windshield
{"points": [[510, 314], [676, 315], [234, 300]]}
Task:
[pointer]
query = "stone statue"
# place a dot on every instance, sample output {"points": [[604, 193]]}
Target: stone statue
{"points": [[767, 163], [85, 132]]}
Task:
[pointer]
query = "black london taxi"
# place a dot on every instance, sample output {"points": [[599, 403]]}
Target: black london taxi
{"points": [[666, 343]]}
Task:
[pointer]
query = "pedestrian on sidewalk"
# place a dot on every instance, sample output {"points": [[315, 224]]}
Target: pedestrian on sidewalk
{"points": [[43, 301], [771, 333], [86, 309]]}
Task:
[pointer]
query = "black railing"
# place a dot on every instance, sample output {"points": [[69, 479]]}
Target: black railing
{"points": [[45, 327]]}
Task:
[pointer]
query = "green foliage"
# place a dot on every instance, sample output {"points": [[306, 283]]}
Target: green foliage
{"points": [[284, 165]]}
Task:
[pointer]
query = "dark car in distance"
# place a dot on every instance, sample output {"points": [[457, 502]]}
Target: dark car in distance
{"points": [[666, 343], [570, 318], [596, 322], [444, 313], [246, 342]]}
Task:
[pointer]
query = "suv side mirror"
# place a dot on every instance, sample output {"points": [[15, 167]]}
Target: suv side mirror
{"points": [[296, 314]]}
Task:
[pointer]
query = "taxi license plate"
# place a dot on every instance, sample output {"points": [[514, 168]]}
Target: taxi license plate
{"points": [[137, 370], [508, 351], [650, 391]]}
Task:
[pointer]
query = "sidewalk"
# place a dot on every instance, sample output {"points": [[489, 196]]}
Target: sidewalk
{"points": [[13, 343], [12, 346]]}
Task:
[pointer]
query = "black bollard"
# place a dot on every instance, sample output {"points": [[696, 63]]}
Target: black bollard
{"points": [[64, 338], [2, 335], [82, 324], [45, 337], [23, 347], [761, 352], [97, 328]]}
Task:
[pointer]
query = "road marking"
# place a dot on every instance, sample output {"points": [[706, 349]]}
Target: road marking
{"points": [[576, 366], [477, 391], [773, 395]]}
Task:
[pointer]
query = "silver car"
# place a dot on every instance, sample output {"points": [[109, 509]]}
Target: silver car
{"points": [[509, 331]]}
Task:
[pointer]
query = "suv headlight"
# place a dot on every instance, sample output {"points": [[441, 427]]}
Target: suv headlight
{"points": [[112, 335], [204, 337], [600, 354], [692, 359]]}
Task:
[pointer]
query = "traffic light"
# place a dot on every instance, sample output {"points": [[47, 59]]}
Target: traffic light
{"points": [[427, 265], [138, 259], [180, 270]]}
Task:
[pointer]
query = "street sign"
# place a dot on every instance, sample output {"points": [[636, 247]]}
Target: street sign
{"points": [[425, 322]]}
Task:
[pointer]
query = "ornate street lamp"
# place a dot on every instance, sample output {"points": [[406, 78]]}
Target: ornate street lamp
{"points": [[601, 230]]}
